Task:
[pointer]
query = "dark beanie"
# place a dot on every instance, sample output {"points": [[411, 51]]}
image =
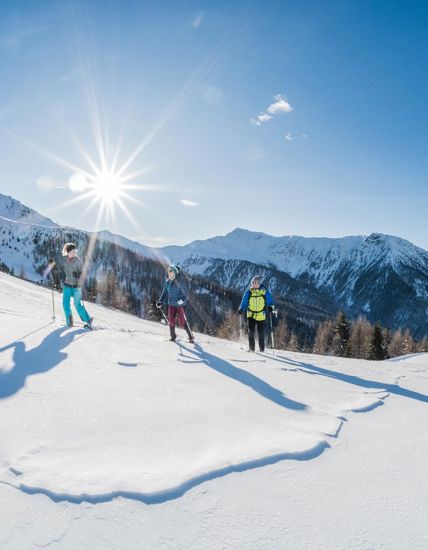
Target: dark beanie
{"points": [[70, 247]]}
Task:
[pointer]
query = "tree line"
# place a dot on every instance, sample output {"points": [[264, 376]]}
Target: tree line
{"points": [[338, 337]]}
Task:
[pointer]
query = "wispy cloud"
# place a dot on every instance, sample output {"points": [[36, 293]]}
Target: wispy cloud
{"points": [[46, 184], [281, 105], [197, 21], [289, 136], [185, 202]]}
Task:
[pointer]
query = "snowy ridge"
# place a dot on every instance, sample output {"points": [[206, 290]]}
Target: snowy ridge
{"points": [[359, 274], [161, 431], [319, 257], [11, 209]]}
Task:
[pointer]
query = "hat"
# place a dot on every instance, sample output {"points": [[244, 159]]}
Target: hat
{"points": [[174, 268], [68, 247]]}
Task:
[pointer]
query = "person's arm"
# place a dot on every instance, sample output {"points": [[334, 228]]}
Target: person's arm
{"points": [[77, 268], [163, 294], [184, 292], [269, 301], [244, 301], [56, 270]]}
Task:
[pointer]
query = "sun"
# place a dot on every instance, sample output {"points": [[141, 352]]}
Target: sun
{"points": [[108, 187]]}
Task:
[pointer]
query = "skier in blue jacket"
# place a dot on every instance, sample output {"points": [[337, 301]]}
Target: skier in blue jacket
{"points": [[256, 301], [175, 293]]}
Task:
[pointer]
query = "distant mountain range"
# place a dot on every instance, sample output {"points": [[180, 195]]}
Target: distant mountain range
{"points": [[380, 277]]}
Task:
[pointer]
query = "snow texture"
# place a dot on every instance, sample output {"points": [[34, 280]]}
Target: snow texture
{"points": [[103, 426]]}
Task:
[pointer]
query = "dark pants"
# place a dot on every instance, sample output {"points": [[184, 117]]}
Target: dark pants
{"points": [[178, 311], [252, 324]]}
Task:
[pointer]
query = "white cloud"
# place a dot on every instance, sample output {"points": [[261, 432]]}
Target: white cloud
{"points": [[281, 105], [288, 136], [263, 117], [197, 21], [305, 136], [185, 202]]}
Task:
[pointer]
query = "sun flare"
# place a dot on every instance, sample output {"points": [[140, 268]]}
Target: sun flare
{"points": [[108, 187]]}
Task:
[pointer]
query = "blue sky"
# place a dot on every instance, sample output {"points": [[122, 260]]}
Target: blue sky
{"points": [[288, 117]]}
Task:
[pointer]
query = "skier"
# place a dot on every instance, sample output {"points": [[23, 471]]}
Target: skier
{"points": [[256, 300], [72, 266], [175, 293]]}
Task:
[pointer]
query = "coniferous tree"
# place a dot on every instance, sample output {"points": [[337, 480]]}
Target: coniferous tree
{"points": [[341, 339], [377, 347]]}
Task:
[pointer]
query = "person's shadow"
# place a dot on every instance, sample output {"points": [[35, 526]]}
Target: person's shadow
{"points": [[42, 358], [309, 368], [243, 377]]}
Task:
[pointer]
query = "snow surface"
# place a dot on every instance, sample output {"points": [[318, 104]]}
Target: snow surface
{"points": [[118, 438]]}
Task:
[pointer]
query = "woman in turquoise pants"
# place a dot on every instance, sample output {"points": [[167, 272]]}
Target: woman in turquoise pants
{"points": [[72, 266]]}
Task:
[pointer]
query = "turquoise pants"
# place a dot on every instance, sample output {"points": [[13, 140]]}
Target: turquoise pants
{"points": [[76, 294]]}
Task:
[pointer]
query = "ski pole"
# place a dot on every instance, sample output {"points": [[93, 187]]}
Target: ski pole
{"points": [[163, 314], [53, 302], [187, 324], [49, 270], [271, 332], [241, 331]]}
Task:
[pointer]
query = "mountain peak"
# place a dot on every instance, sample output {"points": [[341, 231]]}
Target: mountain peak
{"points": [[14, 210]]}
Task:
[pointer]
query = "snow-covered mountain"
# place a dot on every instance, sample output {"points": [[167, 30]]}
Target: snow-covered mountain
{"points": [[380, 276], [118, 439], [137, 271]]}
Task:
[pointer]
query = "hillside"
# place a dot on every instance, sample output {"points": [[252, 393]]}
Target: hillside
{"points": [[118, 438]]}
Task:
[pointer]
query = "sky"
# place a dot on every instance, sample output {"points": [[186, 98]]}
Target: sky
{"points": [[287, 117]]}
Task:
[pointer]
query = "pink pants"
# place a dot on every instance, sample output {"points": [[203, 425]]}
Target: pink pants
{"points": [[172, 312]]}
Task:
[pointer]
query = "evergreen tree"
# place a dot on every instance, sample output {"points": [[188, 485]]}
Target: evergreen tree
{"points": [[343, 331], [377, 348]]}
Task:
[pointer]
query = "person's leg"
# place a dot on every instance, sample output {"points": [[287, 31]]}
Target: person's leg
{"points": [[251, 330], [181, 316], [171, 321], [261, 334], [183, 322], [66, 297], [78, 304]]}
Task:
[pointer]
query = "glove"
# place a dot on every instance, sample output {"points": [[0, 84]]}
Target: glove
{"points": [[51, 261], [271, 308], [159, 304], [77, 274], [180, 302], [240, 311]]}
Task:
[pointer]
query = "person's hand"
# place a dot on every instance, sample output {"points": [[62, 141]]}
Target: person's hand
{"points": [[180, 302], [240, 312], [159, 304], [271, 308]]}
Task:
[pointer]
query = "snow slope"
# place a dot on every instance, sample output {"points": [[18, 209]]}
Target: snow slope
{"points": [[121, 439]]}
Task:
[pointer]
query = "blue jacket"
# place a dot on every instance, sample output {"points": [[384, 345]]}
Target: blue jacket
{"points": [[175, 290], [246, 298]]}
